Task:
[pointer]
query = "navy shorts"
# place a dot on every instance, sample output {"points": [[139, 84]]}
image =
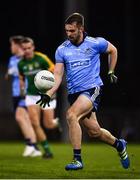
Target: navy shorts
{"points": [[93, 94], [18, 102]]}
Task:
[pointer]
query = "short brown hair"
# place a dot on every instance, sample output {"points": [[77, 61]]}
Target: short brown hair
{"points": [[27, 40], [75, 17], [16, 39]]}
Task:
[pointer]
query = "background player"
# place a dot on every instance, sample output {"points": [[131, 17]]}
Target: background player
{"points": [[21, 114], [32, 63]]}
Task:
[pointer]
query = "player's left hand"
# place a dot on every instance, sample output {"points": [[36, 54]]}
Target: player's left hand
{"points": [[112, 77], [45, 99]]}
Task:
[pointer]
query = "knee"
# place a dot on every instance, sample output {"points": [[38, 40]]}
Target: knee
{"points": [[19, 118], [95, 133], [70, 116]]}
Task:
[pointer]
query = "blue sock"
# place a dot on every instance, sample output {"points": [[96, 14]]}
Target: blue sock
{"points": [[77, 154], [28, 142], [118, 145]]}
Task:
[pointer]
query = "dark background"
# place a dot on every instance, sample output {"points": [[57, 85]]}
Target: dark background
{"points": [[43, 20]]}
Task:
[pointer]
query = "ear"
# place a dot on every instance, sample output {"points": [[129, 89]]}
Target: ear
{"points": [[82, 28], [33, 47]]}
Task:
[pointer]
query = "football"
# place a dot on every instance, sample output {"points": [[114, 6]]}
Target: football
{"points": [[44, 80]]}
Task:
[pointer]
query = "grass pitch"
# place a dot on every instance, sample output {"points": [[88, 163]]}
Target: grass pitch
{"points": [[100, 162]]}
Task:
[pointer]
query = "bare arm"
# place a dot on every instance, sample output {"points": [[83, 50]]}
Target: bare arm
{"points": [[112, 58], [58, 74], [22, 84], [6, 75]]}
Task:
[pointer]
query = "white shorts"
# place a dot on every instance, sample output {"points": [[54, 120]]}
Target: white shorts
{"points": [[31, 100]]}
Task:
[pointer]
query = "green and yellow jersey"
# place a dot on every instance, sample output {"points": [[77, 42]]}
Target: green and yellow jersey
{"points": [[29, 67]]}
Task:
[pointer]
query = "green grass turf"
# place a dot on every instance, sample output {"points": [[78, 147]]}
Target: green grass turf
{"points": [[100, 162]]}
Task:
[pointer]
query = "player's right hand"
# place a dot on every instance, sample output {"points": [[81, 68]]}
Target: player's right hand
{"points": [[44, 99]]}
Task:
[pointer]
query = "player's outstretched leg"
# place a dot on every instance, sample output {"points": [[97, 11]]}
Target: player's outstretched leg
{"points": [[74, 165], [124, 158]]}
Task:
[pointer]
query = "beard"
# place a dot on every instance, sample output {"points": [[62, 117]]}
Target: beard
{"points": [[74, 40]]}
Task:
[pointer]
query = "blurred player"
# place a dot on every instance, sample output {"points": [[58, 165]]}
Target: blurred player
{"points": [[20, 111], [79, 55], [32, 63]]}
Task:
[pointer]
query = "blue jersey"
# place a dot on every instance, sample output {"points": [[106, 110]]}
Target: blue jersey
{"points": [[82, 63], [13, 71]]}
